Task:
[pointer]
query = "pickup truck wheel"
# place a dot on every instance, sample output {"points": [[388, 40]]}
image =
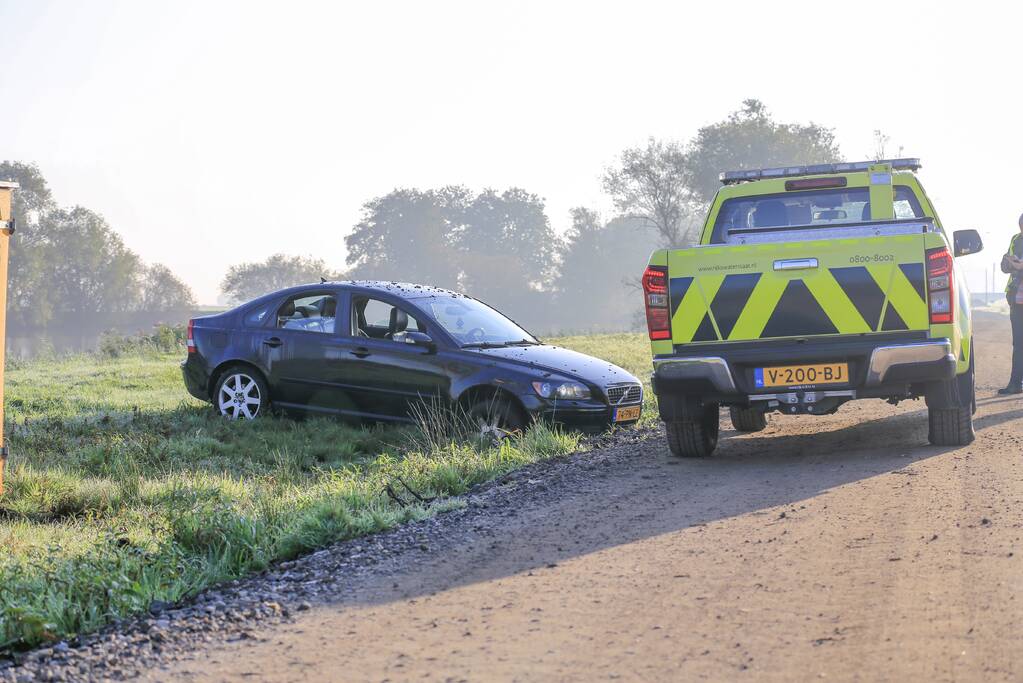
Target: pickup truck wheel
{"points": [[747, 419], [695, 435], [950, 407]]}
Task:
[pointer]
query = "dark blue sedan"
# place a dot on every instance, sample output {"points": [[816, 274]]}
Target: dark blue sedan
{"points": [[379, 351]]}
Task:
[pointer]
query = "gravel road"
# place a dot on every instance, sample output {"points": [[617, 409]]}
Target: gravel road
{"points": [[840, 547]]}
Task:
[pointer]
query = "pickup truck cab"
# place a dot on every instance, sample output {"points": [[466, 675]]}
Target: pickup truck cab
{"points": [[812, 286]]}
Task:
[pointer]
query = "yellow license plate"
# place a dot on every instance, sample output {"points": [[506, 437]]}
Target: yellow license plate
{"points": [[796, 375], [627, 413]]}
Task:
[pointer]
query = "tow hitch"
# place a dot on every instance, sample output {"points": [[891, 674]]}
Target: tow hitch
{"points": [[797, 402]]}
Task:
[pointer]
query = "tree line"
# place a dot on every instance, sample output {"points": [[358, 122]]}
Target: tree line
{"points": [[68, 260], [498, 245]]}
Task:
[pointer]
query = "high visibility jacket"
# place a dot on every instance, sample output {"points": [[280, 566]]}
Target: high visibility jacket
{"points": [[1015, 249]]}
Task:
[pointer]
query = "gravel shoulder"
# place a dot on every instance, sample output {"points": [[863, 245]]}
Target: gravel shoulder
{"points": [[841, 547]]}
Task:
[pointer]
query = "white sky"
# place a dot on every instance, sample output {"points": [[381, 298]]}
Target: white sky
{"points": [[210, 133]]}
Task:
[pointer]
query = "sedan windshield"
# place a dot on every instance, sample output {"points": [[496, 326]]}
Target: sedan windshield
{"points": [[473, 323]]}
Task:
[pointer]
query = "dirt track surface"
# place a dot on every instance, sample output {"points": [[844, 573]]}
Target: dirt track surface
{"points": [[841, 547]]}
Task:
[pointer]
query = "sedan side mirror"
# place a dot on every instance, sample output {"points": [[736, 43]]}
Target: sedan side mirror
{"points": [[421, 339], [966, 242]]}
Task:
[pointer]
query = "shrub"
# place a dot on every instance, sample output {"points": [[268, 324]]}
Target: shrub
{"points": [[163, 339]]}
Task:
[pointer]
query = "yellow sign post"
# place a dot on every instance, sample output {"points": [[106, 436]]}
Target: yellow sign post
{"points": [[6, 230]]}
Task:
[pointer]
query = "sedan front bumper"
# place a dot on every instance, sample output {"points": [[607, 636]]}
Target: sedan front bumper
{"points": [[586, 416], [594, 419]]}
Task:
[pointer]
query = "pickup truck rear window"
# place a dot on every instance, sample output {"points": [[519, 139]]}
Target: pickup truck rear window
{"points": [[820, 207]]}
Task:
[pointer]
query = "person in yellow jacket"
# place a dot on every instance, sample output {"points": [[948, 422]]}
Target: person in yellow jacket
{"points": [[1012, 263]]}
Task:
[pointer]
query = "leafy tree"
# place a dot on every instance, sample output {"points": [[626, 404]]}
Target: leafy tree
{"points": [[506, 244], [246, 281], [654, 184], [164, 291], [494, 245], [71, 261], [600, 264], [89, 267], [27, 267], [409, 235], [32, 198], [750, 138]]}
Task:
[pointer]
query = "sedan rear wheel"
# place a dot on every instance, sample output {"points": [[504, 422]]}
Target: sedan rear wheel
{"points": [[241, 394]]}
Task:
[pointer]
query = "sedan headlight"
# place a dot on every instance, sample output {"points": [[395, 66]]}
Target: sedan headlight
{"points": [[563, 390]]}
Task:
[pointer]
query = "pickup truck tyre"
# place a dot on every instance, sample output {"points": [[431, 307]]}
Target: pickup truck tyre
{"points": [[747, 419], [695, 434], [950, 408]]}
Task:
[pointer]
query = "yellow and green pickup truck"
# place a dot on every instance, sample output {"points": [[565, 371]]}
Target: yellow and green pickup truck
{"points": [[812, 286]]}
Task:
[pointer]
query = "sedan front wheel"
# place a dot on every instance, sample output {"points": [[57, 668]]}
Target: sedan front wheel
{"points": [[241, 394], [496, 417]]}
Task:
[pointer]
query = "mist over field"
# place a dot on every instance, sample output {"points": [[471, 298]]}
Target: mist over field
{"points": [[500, 148], [779, 443], [72, 275]]}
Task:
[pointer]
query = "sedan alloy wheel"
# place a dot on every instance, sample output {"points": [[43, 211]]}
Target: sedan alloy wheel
{"points": [[240, 397]]}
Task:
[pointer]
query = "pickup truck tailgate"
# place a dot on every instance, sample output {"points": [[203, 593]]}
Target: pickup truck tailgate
{"points": [[797, 289]]}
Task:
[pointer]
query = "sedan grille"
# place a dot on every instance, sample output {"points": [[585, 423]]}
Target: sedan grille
{"points": [[624, 393]]}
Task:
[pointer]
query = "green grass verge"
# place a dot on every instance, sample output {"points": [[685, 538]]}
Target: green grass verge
{"points": [[122, 490]]}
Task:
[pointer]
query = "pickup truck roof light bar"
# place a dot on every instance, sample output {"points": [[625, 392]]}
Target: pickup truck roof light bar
{"points": [[732, 177]]}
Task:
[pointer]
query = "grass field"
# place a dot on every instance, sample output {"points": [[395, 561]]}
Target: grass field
{"points": [[122, 490]]}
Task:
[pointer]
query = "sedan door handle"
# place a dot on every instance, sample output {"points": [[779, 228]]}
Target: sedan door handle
{"points": [[360, 352], [273, 342]]}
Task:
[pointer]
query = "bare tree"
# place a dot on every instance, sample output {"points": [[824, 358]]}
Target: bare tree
{"points": [[881, 145], [653, 183]]}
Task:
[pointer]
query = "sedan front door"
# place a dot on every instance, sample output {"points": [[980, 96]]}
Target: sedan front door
{"points": [[386, 376]]}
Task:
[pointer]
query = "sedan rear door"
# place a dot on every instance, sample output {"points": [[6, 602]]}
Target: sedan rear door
{"points": [[300, 348]]}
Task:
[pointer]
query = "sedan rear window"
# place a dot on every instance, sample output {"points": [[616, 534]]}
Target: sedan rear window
{"points": [[311, 313], [819, 208]]}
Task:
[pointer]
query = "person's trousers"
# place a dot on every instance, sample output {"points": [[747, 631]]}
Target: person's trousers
{"points": [[1016, 320]]}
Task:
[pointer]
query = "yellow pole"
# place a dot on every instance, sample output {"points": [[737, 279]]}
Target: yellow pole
{"points": [[6, 229]]}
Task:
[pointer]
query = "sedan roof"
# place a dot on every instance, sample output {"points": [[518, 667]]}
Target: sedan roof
{"points": [[405, 290]]}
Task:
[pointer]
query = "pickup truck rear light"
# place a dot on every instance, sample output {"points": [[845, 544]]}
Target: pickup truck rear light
{"points": [[940, 285], [190, 337], [655, 298]]}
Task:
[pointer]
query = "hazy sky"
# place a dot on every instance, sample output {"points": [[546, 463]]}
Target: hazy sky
{"points": [[210, 133]]}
